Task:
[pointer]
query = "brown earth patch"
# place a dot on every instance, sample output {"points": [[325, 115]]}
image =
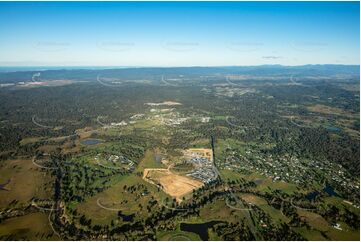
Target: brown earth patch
{"points": [[318, 108], [175, 185], [207, 153]]}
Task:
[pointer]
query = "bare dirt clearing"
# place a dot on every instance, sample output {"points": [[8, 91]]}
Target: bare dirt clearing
{"points": [[206, 153], [318, 108], [165, 103], [175, 185]]}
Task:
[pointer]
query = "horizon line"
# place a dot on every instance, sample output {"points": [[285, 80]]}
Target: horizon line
{"points": [[180, 66]]}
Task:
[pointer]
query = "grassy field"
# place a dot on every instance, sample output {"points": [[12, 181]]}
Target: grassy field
{"points": [[320, 224], [263, 183], [346, 234], [149, 161], [229, 174], [31, 140], [340, 203], [218, 210], [34, 226], [177, 235], [267, 184], [262, 203], [110, 198], [116, 198], [222, 144], [200, 143], [310, 234], [314, 220], [26, 182], [318, 108]]}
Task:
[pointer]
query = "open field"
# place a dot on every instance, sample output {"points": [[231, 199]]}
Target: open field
{"points": [[218, 210], [30, 140], [345, 234], [165, 103], [320, 224], [34, 226], [310, 234], [103, 207], [327, 110], [267, 185], [261, 203], [314, 220], [26, 182], [149, 161], [175, 185], [177, 235]]}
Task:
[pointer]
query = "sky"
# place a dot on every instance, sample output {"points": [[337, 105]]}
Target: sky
{"points": [[178, 33]]}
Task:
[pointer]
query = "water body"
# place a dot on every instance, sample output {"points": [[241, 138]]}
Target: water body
{"points": [[90, 142], [327, 189], [200, 229], [158, 157], [333, 129], [126, 218]]}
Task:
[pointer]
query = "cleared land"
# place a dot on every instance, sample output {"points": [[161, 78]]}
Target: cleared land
{"points": [[165, 103], [34, 226], [24, 182], [206, 153], [175, 185], [319, 108]]}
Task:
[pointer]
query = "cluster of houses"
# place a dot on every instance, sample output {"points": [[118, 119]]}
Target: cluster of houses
{"points": [[232, 91], [204, 168], [171, 118], [166, 116], [119, 159], [289, 168], [122, 123], [205, 119]]}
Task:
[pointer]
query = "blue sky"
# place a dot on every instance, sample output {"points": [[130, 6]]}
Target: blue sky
{"points": [[179, 33]]}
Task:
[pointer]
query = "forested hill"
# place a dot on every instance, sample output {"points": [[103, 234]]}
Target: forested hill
{"points": [[7, 75]]}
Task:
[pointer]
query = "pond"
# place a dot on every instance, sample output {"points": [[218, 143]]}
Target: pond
{"points": [[158, 157], [126, 218], [91, 141], [333, 129], [200, 229], [327, 189]]}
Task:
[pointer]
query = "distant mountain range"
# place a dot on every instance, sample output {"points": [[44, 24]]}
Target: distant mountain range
{"points": [[16, 74]]}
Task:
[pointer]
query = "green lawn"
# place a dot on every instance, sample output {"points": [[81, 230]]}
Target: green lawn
{"points": [[177, 235]]}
